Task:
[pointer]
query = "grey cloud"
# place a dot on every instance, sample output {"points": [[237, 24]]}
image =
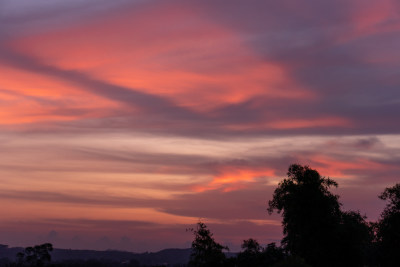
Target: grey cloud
{"points": [[24, 17], [306, 43]]}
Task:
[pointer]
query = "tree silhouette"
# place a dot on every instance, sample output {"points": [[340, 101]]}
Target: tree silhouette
{"points": [[256, 256], [205, 251], [272, 255], [314, 226], [251, 256], [292, 261], [36, 256], [388, 227], [310, 212], [355, 236]]}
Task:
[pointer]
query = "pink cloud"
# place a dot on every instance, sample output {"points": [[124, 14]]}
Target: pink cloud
{"points": [[167, 50]]}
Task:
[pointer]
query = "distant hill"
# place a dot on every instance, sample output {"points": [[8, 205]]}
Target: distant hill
{"points": [[166, 256], [10, 253]]}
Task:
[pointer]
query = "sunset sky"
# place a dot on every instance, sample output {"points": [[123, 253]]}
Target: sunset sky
{"points": [[122, 123]]}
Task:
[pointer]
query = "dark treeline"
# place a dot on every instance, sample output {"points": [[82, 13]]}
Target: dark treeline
{"points": [[44, 255], [317, 232]]}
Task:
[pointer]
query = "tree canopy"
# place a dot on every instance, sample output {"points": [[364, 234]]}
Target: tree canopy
{"points": [[205, 251], [314, 226], [388, 227], [310, 212], [36, 256], [257, 256]]}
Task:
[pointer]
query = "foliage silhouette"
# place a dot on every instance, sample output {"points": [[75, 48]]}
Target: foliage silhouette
{"points": [[310, 212], [36, 256], [205, 251], [273, 254], [255, 255], [314, 226], [355, 237], [292, 261], [251, 256], [388, 228]]}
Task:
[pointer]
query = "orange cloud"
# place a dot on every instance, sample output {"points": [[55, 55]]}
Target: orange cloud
{"points": [[295, 124], [234, 178], [309, 123]]}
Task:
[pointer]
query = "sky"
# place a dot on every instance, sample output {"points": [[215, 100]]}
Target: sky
{"points": [[124, 123]]}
